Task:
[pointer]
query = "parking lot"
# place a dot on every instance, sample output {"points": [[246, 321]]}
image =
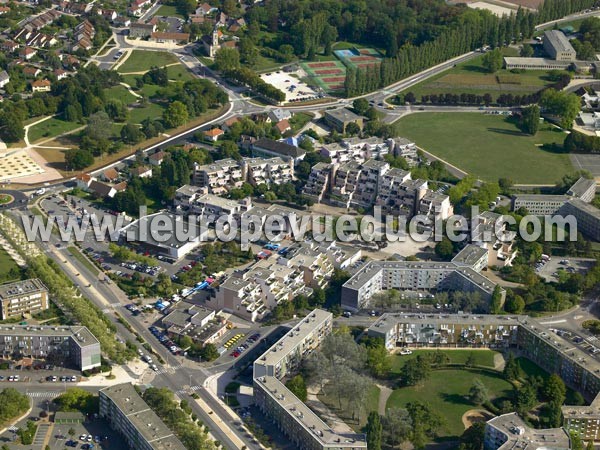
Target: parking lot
{"points": [[550, 270]]}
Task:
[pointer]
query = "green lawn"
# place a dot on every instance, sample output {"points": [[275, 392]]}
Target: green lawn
{"points": [[152, 111], [83, 260], [169, 11], [446, 392], [51, 128], [489, 146], [179, 73], [471, 78], [120, 93], [143, 60], [372, 404], [6, 264], [482, 358]]}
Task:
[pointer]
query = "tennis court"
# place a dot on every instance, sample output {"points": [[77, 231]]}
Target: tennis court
{"points": [[359, 58], [328, 76]]}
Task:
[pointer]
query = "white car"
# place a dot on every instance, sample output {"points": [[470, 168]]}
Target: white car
{"points": [[83, 437], [406, 352]]}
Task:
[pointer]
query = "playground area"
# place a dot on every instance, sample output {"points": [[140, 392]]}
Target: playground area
{"points": [[326, 75]]}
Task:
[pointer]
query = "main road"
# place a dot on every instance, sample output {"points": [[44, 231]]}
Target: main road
{"points": [[179, 378]]}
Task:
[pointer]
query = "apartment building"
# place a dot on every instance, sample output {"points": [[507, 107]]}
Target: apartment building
{"points": [[128, 414], [489, 230], [509, 431], [586, 215], [539, 204], [275, 170], [73, 345], [368, 182], [345, 183], [318, 182], [298, 422], [398, 194], [434, 204], [583, 420], [558, 47], [271, 281], [578, 368], [340, 154], [278, 218], [405, 148], [219, 177], [22, 297], [583, 189], [210, 207], [417, 276]]}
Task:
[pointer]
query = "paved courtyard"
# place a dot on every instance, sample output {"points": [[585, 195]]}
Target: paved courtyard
{"points": [[290, 84]]}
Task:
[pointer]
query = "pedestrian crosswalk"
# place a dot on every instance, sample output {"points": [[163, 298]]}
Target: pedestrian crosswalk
{"points": [[168, 370], [43, 394], [187, 391]]}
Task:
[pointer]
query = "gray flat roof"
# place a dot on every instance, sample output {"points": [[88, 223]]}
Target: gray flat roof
{"points": [[24, 287], [540, 198], [171, 225], [536, 62], [558, 40], [520, 435], [581, 186], [150, 426], [585, 207], [80, 334], [343, 114], [470, 254]]}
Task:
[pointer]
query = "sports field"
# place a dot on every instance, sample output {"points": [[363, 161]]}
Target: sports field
{"points": [[359, 58], [489, 146], [143, 60], [327, 75]]}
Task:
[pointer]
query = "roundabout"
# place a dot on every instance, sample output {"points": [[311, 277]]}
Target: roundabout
{"points": [[12, 199]]}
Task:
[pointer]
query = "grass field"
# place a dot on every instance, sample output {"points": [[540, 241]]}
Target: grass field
{"points": [[120, 93], [471, 78], [50, 128], [446, 392], [489, 146], [151, 111], [482, 358], [143, 60], [168, 11], [6, 264], [372, 404]]}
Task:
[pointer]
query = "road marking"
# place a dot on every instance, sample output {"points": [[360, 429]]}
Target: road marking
{"points": [[554, 321], [43, 394]]}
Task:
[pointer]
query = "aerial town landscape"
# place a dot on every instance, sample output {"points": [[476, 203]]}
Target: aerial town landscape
{"points": [[300, 224]]}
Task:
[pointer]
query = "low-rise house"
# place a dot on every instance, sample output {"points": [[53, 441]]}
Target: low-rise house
{"points": [[268, 148], [4, 10], [31, 71], [279, 114], [141, 172], [41, 86], [110, 175], [141, 30], [170, 38], [60, 74], [27, 53], [157, 158], [4, 78], [83, 180], [338, 119], [283, 126], [213, 134], [9, 46]]}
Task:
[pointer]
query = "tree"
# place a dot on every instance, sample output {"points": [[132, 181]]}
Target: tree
{"points": [[11, 127], [478, 393], [576, 442], [470, 362], [116, 110], [78, 159], [415, 370], [444, 249], [352, 129], [496, 303], [526, 51], [493, 60], [530, 119], [514, 304], [77, 399], [209, 352], [298, 387], [175, 115], [563, 104], [131, 134], [396, 426], [374, 431], [360, 106], [512, 371], [378, 360], [473, 437], [227, 59], [71, 431], [554, 389], [590, 445], [99, 126]]}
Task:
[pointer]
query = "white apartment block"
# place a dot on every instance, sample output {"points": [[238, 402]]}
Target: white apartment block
{"points": [[277, 279], [344, 183], [369, 182], [219, 177], [318, 182], [541, 205], [268, 171], [209, 206], [298, 422], [419, 276]]}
